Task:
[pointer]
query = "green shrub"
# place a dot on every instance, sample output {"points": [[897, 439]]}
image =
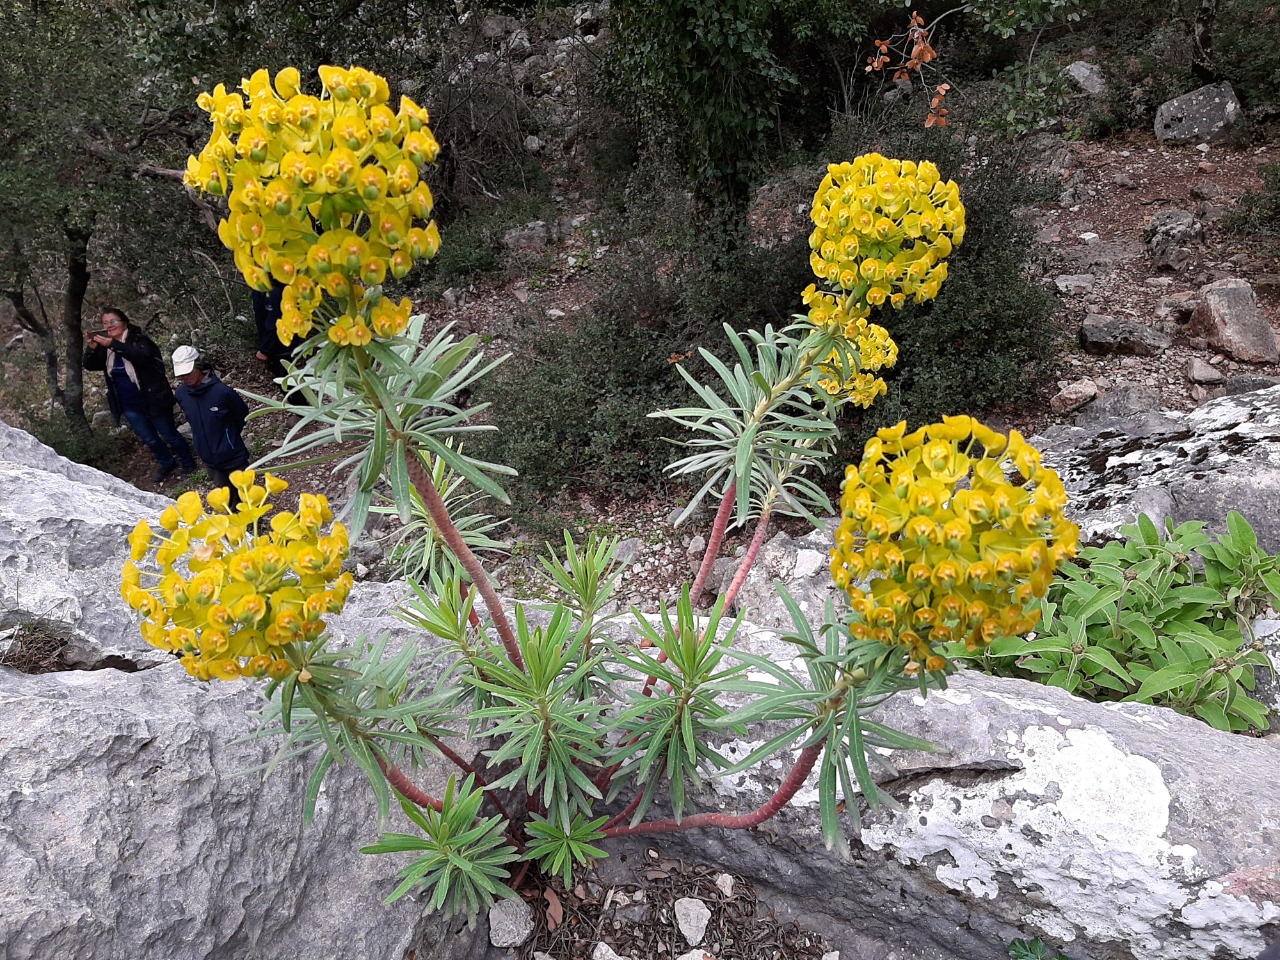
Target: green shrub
{"points": [[1258, 211], [471, 246], [97, 448], [1155, 619], [989, 337]]}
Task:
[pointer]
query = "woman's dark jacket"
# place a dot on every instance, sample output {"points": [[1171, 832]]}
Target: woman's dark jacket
{"points": [[216, 414], [153, 377]]}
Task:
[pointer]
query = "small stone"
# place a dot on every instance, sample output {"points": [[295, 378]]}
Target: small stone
{"points": [[605, 952], [554, 314], [697, 953], [510, 923], [1074, 282], [1074, 396], [833, 955], [521, 293], [1205, 167], [1200, 372], [724, 883], [1202, 147], [1125, 181], [692, 916], [1159, 281], [697, 545], [1089, 238]]}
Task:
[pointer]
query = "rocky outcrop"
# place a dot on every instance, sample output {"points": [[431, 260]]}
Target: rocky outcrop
{"points": [[1208, 114], [130, 828], [1222, 456]]}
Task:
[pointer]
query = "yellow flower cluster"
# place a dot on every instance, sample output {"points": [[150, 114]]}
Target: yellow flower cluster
{"points": [[876, 349], [884, 228], [241, 597], [324, 196], [939, 541]]}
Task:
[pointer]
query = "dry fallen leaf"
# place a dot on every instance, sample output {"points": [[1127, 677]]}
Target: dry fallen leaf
{"points": [[555, 912]]}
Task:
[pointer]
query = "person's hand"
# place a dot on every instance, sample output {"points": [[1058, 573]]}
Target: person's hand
{"points": [[101, 340]]}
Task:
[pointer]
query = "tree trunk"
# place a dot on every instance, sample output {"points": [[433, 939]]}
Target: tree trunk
{"points": [[1202, 64], [77, 237], [48, 344]]}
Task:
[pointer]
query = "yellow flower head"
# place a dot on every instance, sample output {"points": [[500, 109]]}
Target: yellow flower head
{"points": [[966, 523], [302, 174], [241, 609]]}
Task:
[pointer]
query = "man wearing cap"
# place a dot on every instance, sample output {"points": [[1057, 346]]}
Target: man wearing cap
{"points": [[138, 389], [216, 414]]}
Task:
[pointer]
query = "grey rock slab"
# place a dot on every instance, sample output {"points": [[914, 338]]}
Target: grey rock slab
{"points": [[1201, 371], [1074, 282], [62, 544], [1040, 814], [530, 238], [133, 827], [1229, 319], [1102, 336], [1087, 76], [692, 916], [1126, 401], [1222, 456], [1206, 114], [510, 923], [1247, 383], [1101, 257]]}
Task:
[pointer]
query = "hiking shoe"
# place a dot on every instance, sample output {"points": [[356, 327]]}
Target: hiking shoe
{"points": [[162, 473]]}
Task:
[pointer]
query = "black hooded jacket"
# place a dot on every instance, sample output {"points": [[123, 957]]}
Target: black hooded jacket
{"points": [[216, 414], [148, 365]]}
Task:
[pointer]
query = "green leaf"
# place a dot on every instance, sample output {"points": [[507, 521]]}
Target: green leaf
{"points": [[1162, 681]]}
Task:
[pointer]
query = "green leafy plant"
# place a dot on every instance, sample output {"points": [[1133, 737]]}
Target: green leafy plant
{"points": [[546, 715], [1033, 950], [1031, 96], [1164, 619]]}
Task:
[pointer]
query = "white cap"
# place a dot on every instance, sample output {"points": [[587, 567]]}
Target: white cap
{"points": [[184, 360]]}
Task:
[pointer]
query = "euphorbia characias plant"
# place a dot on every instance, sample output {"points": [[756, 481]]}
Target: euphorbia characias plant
{"points": [[945, 533]]}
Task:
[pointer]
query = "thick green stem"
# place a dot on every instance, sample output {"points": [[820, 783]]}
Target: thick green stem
{"points": [[789, 787], [439, 514]]}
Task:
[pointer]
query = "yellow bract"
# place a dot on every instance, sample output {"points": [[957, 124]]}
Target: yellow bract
{"points": [[245, 594], [946, 534], [883, 230], [324, 196]]}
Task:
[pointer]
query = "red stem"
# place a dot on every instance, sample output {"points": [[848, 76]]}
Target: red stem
{"points": [[631, 808], [786, 790], [757, 541], [395, 776], [716, 538], [439, 514]]}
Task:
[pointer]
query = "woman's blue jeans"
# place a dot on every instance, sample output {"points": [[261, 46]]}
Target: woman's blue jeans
{"points": [[161, 435]]}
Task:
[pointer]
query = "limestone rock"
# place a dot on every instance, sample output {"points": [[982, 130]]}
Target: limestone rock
{"points": [[1223, 456], [1074, 283], [605, 952], [510, 923], [62, 543], [1168, 237], [691, 919], [1208, 114], [1229, 319], [131, 826], [1200, 371], [1123, 401], [1073, 396], [802, 563], [1088, 77], [1102, 335], [530, 238]]}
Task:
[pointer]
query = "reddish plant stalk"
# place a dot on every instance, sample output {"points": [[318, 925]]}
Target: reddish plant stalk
{"points": [[439, 514], [753, 550], [788, 789], [467, 768], [631, 808], [395, 776], [714, 540]]}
